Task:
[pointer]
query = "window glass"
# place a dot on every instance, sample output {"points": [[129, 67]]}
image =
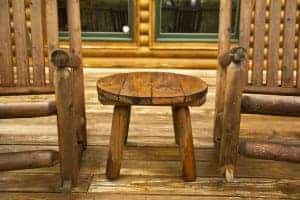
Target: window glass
{"points": [[194, 18], [100, 16]]}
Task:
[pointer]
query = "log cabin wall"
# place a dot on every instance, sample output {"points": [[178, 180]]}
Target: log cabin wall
{"points": [[145, 51]]}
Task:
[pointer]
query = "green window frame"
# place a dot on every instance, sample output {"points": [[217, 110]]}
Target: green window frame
{"points": [[107, 36], [192, 37]]}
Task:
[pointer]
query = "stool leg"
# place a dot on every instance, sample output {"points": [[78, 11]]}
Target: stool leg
{"points": [[184, 129], [127, 123], [177, 136], [117, 138]]}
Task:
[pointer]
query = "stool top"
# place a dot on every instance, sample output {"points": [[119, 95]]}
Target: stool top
{"points": [[151, 88]]}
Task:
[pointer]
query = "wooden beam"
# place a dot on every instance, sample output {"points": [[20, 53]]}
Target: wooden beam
{"points": [[258, 46], [6, 68], [74, 27], [68, 143], [28, 160], [21, 43], [271, 104], [232, 113], [224, 46], [13, 91], [52, 32], [27, 110], [272, 90], [38, 57], [270, 151]]}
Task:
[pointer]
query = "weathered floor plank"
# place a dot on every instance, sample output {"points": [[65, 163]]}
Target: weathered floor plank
{"points": [[263, 188], [109, 196], [46, 182], [165, 162]]}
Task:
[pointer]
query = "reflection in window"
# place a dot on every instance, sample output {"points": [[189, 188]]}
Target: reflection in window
{"points": [[191, 16], [99, 16]]}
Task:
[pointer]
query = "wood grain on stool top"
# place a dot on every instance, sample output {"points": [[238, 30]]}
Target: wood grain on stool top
{"points": [[151, 88]]}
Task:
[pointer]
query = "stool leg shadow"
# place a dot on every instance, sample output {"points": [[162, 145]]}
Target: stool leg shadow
{"points": [[119, 132], [183, 133]]}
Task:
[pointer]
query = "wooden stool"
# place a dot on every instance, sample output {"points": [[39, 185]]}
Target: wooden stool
{"points": [[151, 89]]}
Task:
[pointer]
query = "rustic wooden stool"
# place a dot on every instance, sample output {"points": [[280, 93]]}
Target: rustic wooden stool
{"points": [[151, 89]]}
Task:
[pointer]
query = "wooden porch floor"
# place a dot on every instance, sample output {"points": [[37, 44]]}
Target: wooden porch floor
{"points": [[151, 167]]}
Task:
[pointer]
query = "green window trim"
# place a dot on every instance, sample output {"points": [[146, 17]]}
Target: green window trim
{"points": [[107, 36], [192, 37]]}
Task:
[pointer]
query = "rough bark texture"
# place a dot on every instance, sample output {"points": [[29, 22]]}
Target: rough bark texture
{"points": [[27, 110], [270, 151], [28, 160], [271, 104]]}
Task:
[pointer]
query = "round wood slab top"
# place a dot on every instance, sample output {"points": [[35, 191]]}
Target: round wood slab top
{"points": [[151, 88]]}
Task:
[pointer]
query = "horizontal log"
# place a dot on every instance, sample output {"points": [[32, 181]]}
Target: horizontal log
{"points": [[27, 110], [271, 104], [12, 91], [154, 53], [28, 160], [162, 63], [272, 90], [270, 151]]}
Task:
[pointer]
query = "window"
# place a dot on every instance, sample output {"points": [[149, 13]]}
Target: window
{"points": [[101, 19], [191, 20]]}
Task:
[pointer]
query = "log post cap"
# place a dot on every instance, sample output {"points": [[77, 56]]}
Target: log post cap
{"points": [[238, 54], [60, 58]]}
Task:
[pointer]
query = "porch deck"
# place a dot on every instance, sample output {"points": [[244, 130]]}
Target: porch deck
{"points": [[151, 166]]}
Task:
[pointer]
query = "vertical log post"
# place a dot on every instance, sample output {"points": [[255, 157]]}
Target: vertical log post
{"points": [[224, 46], [232, 111], [68, 144], [77, 69]]}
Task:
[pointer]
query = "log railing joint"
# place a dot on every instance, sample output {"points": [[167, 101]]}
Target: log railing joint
{"points": [[236, 55], [60, 58]]}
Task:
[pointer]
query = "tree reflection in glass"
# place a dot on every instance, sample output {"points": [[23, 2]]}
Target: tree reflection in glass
{"points": [[191, 16], [99, 15]]}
